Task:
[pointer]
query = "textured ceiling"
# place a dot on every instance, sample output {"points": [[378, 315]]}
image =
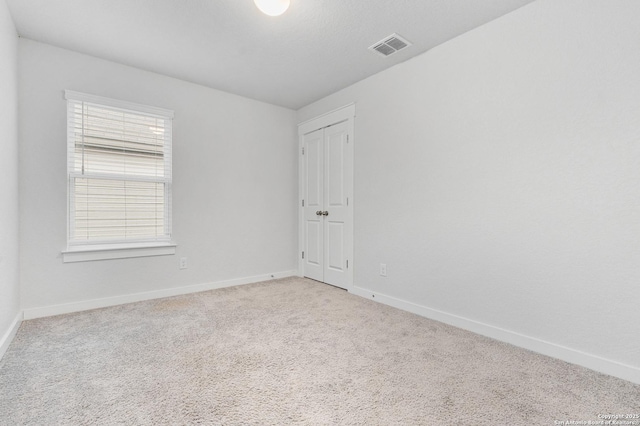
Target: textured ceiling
{"points": [[316, 48]]}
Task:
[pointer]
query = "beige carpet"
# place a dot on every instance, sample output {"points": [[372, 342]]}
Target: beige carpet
{"points": [[290, 351]]}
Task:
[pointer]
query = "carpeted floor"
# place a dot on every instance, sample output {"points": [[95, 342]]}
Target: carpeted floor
{"points": [[290, 351]]}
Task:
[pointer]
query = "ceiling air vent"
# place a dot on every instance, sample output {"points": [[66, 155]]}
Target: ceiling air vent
{"points": [[390, 45]]}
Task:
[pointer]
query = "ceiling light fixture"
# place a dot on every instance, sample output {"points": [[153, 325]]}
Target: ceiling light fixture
{"points": [[272, 7]]}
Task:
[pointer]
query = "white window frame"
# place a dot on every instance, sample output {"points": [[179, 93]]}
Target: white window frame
{"points": [[88, 251]]}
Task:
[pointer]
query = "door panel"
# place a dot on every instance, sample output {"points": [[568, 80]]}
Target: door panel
{"points": [[335, 141], [314, 166], [314, 244], [335, 240]]}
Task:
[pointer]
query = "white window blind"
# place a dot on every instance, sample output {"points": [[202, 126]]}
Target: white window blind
{"points": [[119, 168]]}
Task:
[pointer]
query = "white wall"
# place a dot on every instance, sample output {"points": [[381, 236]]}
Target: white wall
{"points": [[9, 284], [234, 189], [498, 177]]}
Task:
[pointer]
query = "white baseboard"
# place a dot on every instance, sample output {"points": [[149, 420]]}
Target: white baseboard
{"points": [[47, 311], [5, 341], [573, 356]]}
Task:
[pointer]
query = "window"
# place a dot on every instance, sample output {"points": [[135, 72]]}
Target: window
{"points": [[119, 176]]}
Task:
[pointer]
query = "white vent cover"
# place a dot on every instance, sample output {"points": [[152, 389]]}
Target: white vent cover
{"points": [[390, 45]]}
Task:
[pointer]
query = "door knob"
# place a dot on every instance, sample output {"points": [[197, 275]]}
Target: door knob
{"points": [[319, 213], [325, 213]]}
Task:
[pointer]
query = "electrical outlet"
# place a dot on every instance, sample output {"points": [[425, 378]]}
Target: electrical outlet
{"points": [[183, 263], [383, 269]]}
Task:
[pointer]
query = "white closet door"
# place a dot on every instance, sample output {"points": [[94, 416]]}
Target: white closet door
{"points": [[314, 205], [335, 204], [326, 212]]}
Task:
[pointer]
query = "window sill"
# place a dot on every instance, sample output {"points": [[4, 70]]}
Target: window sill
{"points": [[116, 251]]}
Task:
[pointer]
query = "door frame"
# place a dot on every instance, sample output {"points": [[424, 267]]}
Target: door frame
{"points": [[346, 113]]}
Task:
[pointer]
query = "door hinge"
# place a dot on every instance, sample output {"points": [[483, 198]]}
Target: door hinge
{"points": [[347, 201], [303, 255], [347, 263], [347, 138], [302, 203], [303, 150]]}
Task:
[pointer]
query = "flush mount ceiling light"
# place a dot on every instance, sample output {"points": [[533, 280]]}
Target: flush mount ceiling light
{"points": [[272, 7]]}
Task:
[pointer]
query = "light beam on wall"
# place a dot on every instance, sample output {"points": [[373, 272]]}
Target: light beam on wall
{"points": [[272, 7]]}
